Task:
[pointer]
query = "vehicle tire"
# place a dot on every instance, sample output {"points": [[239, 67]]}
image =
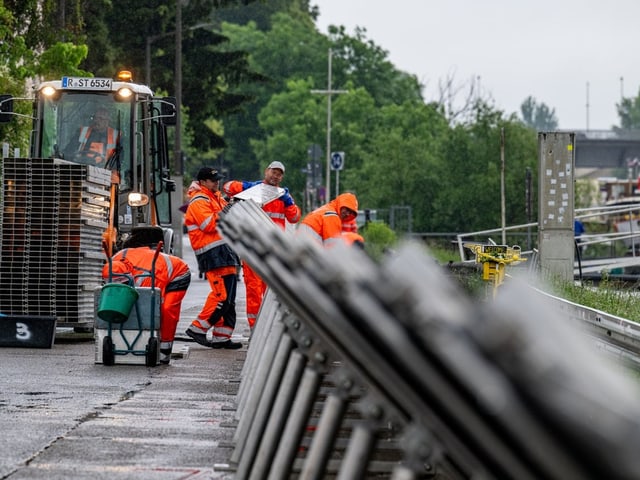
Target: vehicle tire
{"points": [[108, 353], [151, 355]]}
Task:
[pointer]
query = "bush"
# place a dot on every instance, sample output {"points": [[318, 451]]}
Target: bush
{"points": [[378, 239]]}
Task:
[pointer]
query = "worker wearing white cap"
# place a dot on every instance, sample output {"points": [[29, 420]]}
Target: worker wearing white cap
{"points": [[281, 210]]}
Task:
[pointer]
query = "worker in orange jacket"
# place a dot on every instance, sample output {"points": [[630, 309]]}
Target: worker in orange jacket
{"points": [[215, 258], [133, 264], [94, 143], [324, 224], [280, 210]]}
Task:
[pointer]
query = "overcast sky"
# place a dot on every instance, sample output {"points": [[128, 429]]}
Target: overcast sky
{"points": [[564, 53]]}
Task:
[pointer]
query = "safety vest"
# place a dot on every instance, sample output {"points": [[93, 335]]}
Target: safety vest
{"points": [[98, 147]]}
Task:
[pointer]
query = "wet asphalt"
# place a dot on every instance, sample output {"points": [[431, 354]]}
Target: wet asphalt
{"points": [[64, 416]]}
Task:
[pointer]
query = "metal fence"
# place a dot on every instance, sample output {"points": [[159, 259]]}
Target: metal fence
{"points": [[363, 370]]}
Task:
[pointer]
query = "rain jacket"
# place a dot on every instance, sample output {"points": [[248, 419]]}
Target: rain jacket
{"points": [[324, 223], [171, 275], [103, 151], [201, 221]]}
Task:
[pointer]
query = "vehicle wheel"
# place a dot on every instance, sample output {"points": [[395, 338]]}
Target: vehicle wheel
{"points": [[108, 354], [151, 355]]}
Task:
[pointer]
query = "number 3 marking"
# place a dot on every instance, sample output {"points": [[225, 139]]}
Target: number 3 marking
{"points": [[22, 331]]}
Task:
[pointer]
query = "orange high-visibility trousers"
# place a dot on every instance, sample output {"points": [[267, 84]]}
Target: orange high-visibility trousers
{"points": [[255, 288], [219, 310]]}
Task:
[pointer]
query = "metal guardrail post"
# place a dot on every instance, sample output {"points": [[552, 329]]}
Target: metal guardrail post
{"points": [[358, 453], [277, 418], [296, 424], [489, 390], [253, 425], [265, 337], [324, 437]]}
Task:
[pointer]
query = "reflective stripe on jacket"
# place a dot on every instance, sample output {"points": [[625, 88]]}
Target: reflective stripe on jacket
{"points": [[98, 147], [201, 218]]}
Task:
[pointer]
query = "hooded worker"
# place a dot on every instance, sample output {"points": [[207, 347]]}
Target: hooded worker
{"points": [[324, 224]]}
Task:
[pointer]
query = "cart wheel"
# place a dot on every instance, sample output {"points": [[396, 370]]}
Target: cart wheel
{"points": [[151, 355], [108, 354]]}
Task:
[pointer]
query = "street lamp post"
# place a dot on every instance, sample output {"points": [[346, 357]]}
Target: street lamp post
{"points": [[328, 92]]}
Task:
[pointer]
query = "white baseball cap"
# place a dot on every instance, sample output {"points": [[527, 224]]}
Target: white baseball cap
{"points": [[276, 164]]}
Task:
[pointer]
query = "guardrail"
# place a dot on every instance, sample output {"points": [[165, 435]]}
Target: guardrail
{"points": [[364, 370]]}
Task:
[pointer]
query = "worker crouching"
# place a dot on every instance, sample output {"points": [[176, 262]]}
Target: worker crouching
{"points": [[134, 264]]}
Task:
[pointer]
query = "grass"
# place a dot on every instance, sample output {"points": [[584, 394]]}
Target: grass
{"points": [[608, 296]]}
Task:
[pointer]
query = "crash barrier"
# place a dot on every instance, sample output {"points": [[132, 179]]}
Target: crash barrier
{"points": [[364, 370]]}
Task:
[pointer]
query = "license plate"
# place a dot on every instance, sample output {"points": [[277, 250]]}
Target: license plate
{"points": [[495, 249], [82, 83]]}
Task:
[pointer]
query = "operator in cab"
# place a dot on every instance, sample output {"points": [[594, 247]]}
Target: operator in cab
{"points": [[93, 144]]}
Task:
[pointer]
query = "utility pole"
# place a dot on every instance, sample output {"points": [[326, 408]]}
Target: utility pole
{"points": [[328, 92], [177, 155]]}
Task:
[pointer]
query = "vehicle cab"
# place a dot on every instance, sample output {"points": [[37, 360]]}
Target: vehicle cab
{"points": [[113, 124]]}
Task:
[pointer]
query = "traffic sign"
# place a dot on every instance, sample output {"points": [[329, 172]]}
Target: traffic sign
{"points": [[337, 160]]}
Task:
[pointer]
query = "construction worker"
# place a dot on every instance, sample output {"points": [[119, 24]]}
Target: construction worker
{"points": [[133, 264], [215, 258], [324, 224], [280, 210], [94, 143]]}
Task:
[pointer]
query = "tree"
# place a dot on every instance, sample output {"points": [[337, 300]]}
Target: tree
{"points": [[468, 195], [538, 116], [357, 63], [629, 113], [31, 46]]}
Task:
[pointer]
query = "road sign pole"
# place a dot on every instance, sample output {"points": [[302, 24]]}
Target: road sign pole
{"points": [[328, 92]]}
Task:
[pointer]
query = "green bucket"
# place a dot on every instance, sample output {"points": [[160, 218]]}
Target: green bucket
{"points": [[116, 302]]}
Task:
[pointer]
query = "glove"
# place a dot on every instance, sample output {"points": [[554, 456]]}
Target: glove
{"points": [[286, 198]]}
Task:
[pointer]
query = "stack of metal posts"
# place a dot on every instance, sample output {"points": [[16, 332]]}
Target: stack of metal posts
{"points": [[358, 369], [53, 216]]}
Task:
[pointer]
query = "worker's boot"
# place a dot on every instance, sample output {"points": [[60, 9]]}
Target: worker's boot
{"points": [[165, 352]]}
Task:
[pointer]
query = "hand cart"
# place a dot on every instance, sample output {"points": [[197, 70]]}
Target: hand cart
{"points": [[128, 318]]}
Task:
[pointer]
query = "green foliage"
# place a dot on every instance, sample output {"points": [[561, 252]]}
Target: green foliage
{"points": [[607, 297], [379, 239], [247, 100], [62, 59], [629, 112], [30, 46], [468, 193], [538, 116]]}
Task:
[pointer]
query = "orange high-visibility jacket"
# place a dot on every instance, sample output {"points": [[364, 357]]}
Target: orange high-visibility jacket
{"points": [[201, 218], [100, 148], [276, 210], [324, 223], [171, 273]]}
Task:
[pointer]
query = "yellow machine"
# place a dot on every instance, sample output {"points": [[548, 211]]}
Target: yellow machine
{"points": [[494, 259]]}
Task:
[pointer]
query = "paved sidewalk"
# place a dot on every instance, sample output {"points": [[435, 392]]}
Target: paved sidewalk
{"points": [[64, 417]]}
